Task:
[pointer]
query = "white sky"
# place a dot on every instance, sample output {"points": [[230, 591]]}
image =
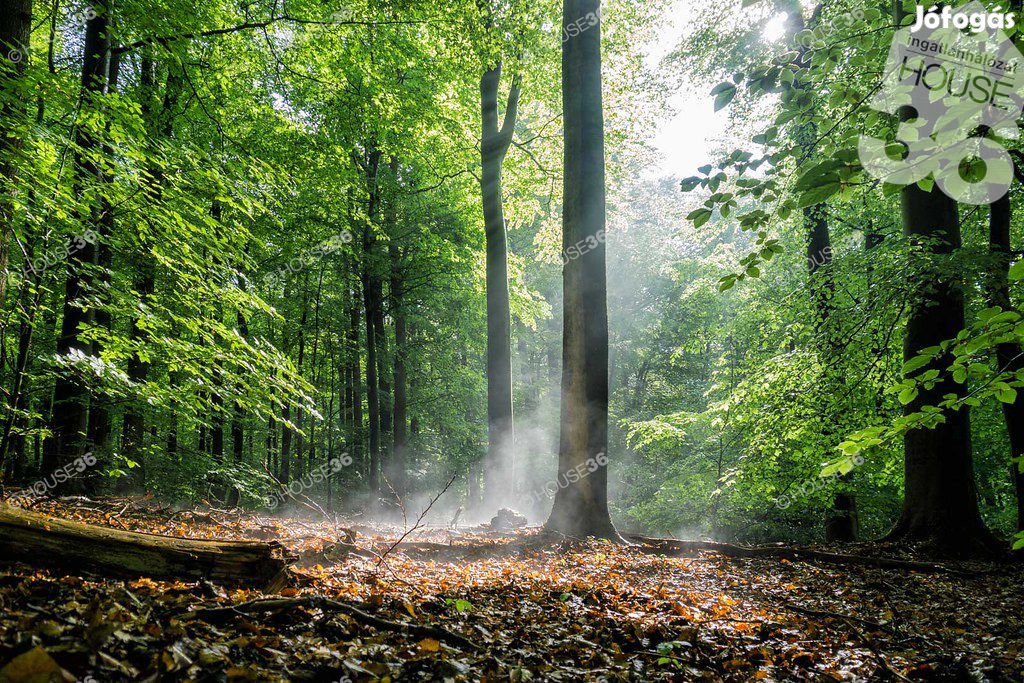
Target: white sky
{"points": [[684, 139]]}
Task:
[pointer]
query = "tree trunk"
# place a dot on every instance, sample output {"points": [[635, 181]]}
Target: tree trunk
{"points": [[238, 416], [39, 539], [299, 440], [940, 506], [499, 468], [69, 418], [15, 34], [398, 464], [841, 520], [1010, 357], [355, 398], [581, 504], [161, 125], [99, 407], [371, 305]]}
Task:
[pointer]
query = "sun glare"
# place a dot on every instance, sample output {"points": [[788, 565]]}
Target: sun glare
{"points": [[775, 29]]}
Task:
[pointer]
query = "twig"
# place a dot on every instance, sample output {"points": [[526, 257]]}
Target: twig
{"points": [[325, 604], [419, 520]]}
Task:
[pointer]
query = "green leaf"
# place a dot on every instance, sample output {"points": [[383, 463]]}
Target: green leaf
{"points": [[915, 363], [817, 195], [699, 217], [723, 94], [1017, 271], [824, 173], [689, 184]]}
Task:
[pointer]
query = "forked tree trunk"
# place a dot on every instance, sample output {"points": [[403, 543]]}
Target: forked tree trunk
{"points": [[581, 504], [499, 468], [37, 539]]}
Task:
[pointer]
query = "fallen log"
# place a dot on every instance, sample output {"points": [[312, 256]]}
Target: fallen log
{"points": [[669, 546], [41, 540]]}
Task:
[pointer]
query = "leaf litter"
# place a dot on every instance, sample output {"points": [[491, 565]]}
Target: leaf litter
{"points": [[479, 606]]}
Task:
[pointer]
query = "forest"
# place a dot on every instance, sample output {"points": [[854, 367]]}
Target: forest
{"points": [[511, 340]]}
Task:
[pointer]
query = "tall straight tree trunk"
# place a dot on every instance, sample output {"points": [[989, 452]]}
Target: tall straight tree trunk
{"points": [[499, 467], [841, 520], [271, 458], [397, 460], [940, 506], [355, 398], [238, 415], [284, 465], [1010, 357], [334, 389], [15, 34], [581, 504], [299, 441], [940, 502], [217, 396], [99, 408], [384, 397], [371, 305], [316, 365], [160, 123], [17, 398], [70, 412]]}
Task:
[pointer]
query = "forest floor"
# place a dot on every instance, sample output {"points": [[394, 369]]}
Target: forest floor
{"points": [[533, 610]]}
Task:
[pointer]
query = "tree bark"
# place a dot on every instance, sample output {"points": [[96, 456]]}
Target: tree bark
{"points": [[397, 459], [581, 504], [39, 539], [355, 398], [1010, 357], [499, 467], [371, 305], [15, 35], [841, 520], [69, 418], [940, 507]]}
